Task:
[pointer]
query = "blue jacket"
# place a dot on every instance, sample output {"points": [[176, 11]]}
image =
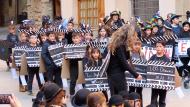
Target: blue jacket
{"points": [[177, 30], [46, 55]]}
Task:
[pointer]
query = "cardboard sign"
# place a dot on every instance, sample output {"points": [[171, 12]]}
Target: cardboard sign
{"points": [[140, 67], [96, 77], [183, 45], [75, 51], [148, 51], [33, 56], [100, 45], [56, 52], [156, 74], [17, 53]]}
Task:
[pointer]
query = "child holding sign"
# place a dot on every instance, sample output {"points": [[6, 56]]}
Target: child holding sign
{"points": [[33, 70], [136, 54], [159, 56]]}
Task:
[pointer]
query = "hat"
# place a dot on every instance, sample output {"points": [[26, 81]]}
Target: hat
{"points": [[133, 96], [115, 13], [50, 91], [158, 17], [167, 25], [186, 22], [106, 19], [173, 16], [154, 25], [80, 98], [116, 100], [147, 27]]}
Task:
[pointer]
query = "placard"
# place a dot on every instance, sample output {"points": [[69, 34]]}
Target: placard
{"points": [[96, 77], [183, 45], [33, 56], [156, 74], [56, 51], [18, 52], [75, 51], [148, 51], [140, 67]]}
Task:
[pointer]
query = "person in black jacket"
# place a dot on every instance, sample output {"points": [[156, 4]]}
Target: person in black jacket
{"points": [[159, 56], [53, 72], [185, 60], [12, 38], [68, 35], [185, 33], [33, 70], [118, 60], [74, 70]]}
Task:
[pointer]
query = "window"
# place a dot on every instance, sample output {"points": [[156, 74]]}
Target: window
{"points": [[90, 11], [145, 8]]}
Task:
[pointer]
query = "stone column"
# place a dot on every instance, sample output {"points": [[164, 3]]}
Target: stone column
{"points": [[37, 8]]}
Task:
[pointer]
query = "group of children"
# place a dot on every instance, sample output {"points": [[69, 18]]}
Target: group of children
{"points": [[94, 56]]}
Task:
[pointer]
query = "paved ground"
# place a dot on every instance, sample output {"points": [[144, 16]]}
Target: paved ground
{"points": [[10, 85]]}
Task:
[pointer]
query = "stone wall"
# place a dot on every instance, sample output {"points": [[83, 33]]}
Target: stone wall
{"points": [[37, 8]]}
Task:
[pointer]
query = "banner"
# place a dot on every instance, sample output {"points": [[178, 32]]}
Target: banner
{"points": [[156, 74], [75, 51], [183, 45], [150, 50]]}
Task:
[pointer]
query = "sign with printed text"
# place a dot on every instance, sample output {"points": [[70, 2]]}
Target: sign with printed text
{"points": [[149, 51], [156, 74], [183, 45]]}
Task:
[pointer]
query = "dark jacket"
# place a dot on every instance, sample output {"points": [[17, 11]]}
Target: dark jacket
{"points": [[118, 62], [68, 36], [185, 34], [94, 63], [164, 58], [177, 30], [12, 38], [46, 55]]}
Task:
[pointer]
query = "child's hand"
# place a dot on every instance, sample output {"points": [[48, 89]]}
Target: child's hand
{"points": [[139, 77], [65, 58]]}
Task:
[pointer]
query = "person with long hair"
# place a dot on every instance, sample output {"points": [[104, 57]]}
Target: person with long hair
{"points": [[135, 46], [118, 59], [95, 59]]}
